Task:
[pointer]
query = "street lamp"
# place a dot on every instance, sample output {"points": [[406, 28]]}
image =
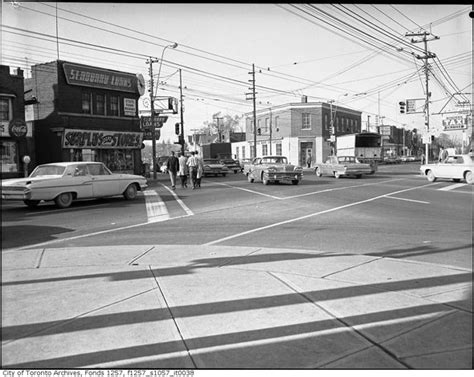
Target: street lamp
{"points": [[152, 98]]}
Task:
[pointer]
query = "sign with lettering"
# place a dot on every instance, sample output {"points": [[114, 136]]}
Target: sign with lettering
{"points": [[89, 139], [129, 107], [455, 123], [145, 122], [15, 128], [77, 74]]}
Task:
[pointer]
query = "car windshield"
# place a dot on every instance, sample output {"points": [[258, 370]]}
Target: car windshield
{"points": [[43, 170], [211, 161], [274, 160]]}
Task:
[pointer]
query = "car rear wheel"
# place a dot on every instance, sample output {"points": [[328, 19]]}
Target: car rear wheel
{"points": [[317, 171], [31, 203], [63, 200], [468, 177], [430, 175], [130, 192]]}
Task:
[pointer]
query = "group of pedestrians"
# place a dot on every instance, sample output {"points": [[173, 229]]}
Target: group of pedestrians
{"points": [[184, 167]]}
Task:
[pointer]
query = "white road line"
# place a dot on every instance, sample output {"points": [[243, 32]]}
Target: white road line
{"points": [[408, 200], [248, 190], [452, 187], [155, 208], [181, 203], [310, 215]]}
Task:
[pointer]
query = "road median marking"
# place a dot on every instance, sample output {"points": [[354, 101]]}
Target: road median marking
{"points": [[155, 207], [311, 215], [452, 187]]}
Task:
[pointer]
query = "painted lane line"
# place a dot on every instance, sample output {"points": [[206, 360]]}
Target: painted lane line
{"points": [[452, 187], [155, 207], [248, 190], [180, 202], [310, 215], [408, 200]]}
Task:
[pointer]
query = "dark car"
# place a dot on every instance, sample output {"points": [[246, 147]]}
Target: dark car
{"points": [[231, 164]]}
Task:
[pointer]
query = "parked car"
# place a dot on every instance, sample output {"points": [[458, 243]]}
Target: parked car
{"points": [[343, 166], [456, 167], [274, 169], [231, 164], [63, 182], [214, 167]]}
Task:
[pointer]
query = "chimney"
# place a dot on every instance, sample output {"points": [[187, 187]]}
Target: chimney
{"points": [[304, 99]]}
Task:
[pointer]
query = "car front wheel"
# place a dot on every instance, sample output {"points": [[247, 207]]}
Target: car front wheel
{"points": [[249, 178], [317, 171], [131, 192], [265, 180], [468, 177], [430, 175], [63, 200]]}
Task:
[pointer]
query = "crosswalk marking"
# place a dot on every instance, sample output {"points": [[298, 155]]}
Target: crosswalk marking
{"points": [[155, 208], [452, 187]]}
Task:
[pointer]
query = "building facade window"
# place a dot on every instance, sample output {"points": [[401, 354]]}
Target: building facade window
{"points": [[243, 152], [278, 149], [237, 152], [326, 122], [114, 106], [265, 130], [277, 118], [9, 156], [306, 121], [100, 104], [86, 103], [5, 109], [264, 149]]}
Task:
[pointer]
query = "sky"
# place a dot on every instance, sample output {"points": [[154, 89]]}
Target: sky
{"points": [[357, 55]]}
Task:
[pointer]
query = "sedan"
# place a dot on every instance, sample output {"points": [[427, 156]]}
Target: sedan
{"points": [[339, 166], [455, 167], [274, 169], [63, 182], [214, 167]]}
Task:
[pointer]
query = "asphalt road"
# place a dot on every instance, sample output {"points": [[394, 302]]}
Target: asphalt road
{"points": [[394, 213]]}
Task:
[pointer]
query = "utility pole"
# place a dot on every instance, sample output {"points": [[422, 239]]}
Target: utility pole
{"points": [[181, 110], [253, 98], [152, 117], [427, 56], [332, 130], [270, 131]]}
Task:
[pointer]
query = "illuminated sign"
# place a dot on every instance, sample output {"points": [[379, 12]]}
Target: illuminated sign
{"points": [[100, 78], [89, 139], [458, 122]]}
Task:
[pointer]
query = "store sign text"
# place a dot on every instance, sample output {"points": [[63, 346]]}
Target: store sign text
{"points": [[101, 139], [99, 78]]}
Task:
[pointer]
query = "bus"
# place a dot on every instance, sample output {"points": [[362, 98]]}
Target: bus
{"points": [[366, 146]]}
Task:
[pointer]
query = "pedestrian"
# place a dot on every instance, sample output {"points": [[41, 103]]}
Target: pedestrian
{"points": [[422, 159], [200, 170], [183, 170], [443, 154], [308, 161], [192, 168], [172, 166]]}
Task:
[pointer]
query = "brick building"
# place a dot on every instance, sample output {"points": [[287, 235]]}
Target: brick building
{"points": [[16, 136], [297, 130], [85, 113]]}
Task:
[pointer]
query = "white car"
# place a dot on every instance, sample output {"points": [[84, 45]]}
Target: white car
{"points": [[456, 167], [63, 182]]}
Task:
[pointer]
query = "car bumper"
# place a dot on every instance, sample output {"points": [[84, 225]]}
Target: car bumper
{"points": [[284, 177], [15, 195]]}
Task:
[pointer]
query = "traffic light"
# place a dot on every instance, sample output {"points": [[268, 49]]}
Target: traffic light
{"points": [[177, 130], [259, 131], [402, 106]]}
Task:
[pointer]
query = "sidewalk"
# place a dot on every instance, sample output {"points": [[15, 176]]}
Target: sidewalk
{"points": [[193, 306]]}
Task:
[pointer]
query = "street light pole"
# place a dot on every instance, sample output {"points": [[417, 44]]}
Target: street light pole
{"points": [[152, 103]]}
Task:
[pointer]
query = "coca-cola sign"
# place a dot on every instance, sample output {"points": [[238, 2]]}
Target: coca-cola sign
{"points": [[17, 128]]}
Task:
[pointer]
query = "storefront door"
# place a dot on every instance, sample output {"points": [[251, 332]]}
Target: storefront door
{"points": [[306, 154]]}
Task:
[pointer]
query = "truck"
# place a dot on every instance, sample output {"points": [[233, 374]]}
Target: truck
{"points": [[366, 146], [221, 152]]}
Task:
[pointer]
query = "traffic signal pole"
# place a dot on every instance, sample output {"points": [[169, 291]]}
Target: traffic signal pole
{"points": [[152, 100], [181, 110]]}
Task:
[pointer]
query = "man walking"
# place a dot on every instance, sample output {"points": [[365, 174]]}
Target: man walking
{"points": [[192, 165], [183, 170], [173, 167]]}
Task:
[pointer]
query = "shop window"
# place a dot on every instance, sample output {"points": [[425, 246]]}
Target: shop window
{"points": [[5, 108], [100, 104], [306, 121], [114, 106], [278, 149], [86, 103], [9, 156]]}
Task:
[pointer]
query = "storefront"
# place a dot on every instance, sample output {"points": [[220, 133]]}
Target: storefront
{"points": [[94, 117]]}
